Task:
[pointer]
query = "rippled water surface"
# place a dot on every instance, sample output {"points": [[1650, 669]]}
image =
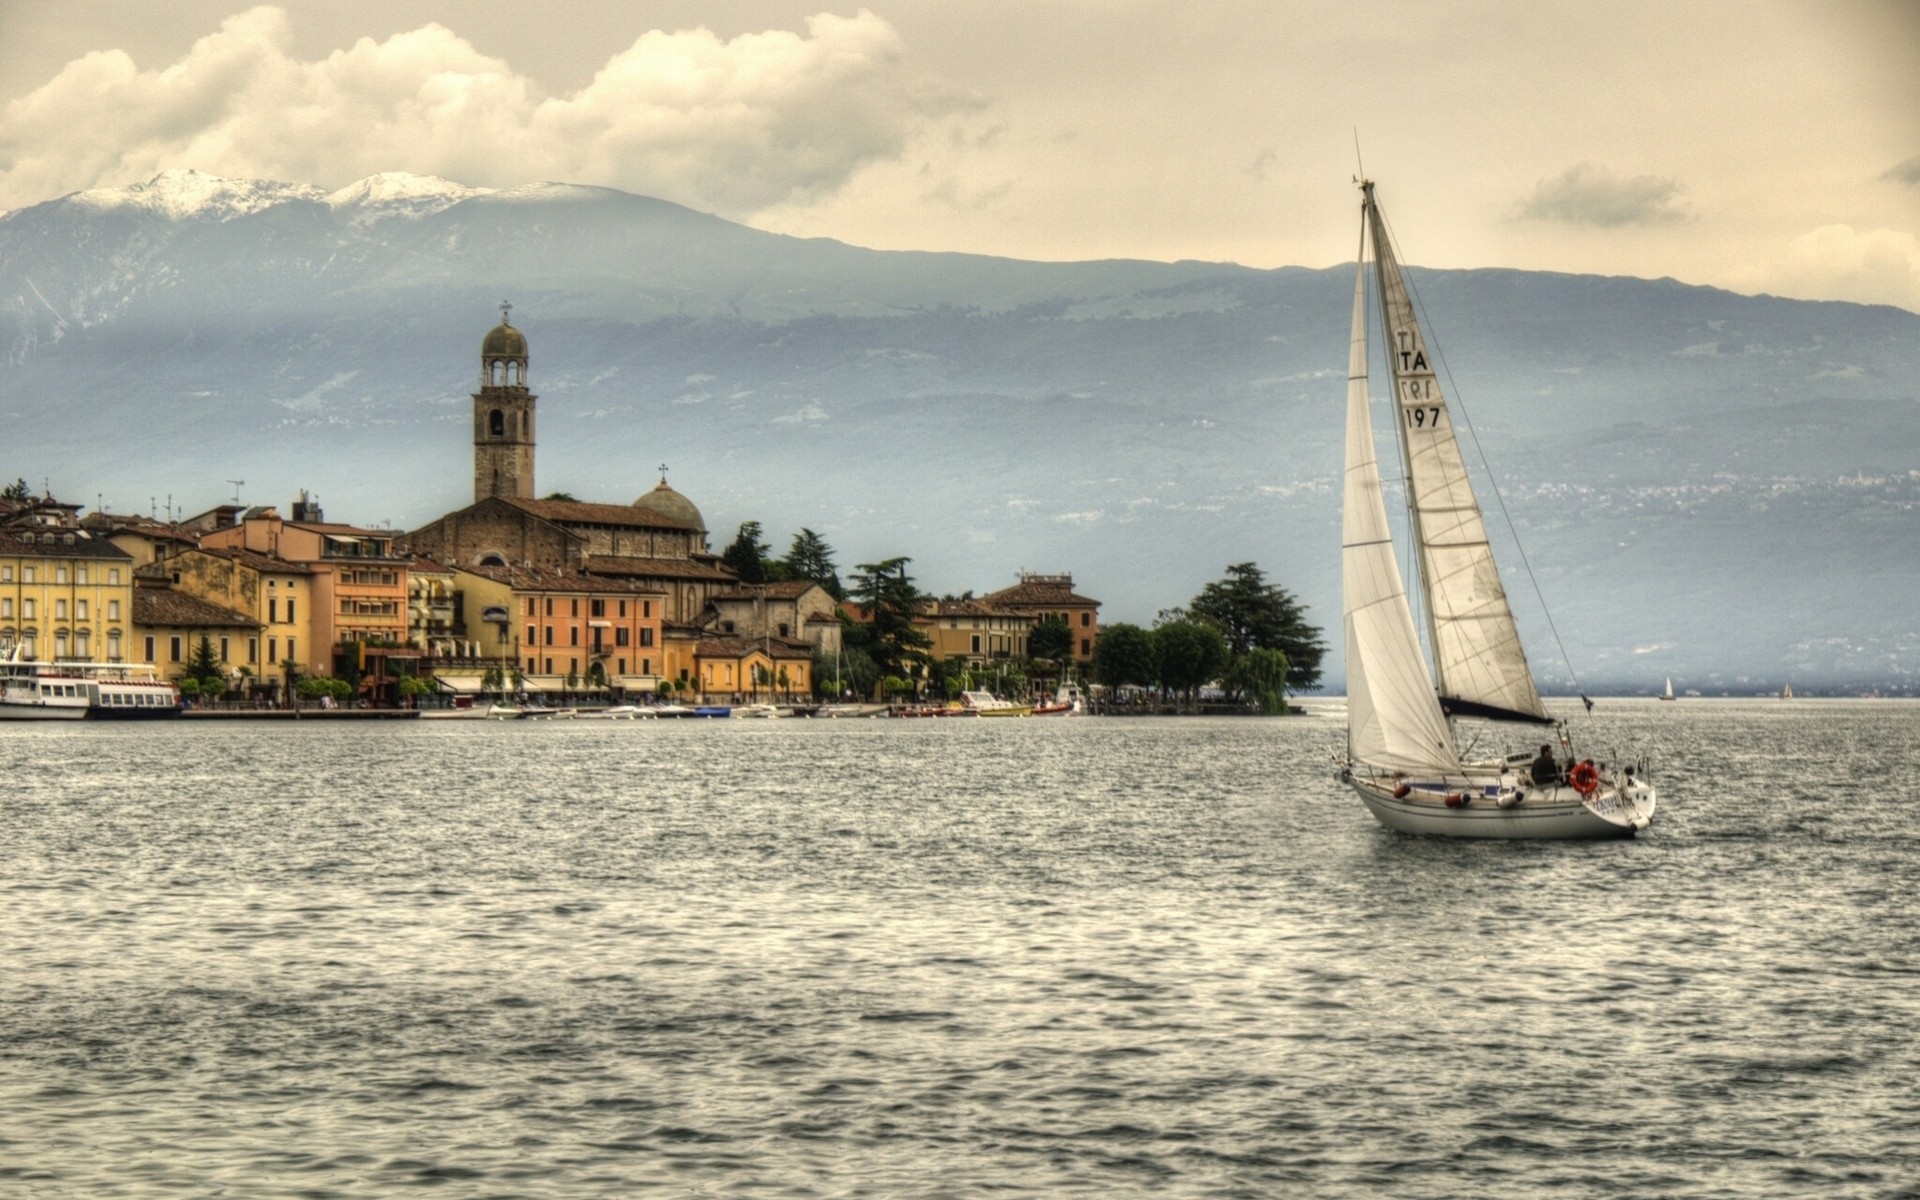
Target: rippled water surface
{"points": [[944, 958]]}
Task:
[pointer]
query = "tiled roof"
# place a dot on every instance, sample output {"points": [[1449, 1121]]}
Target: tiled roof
{"points": [[965, 608], [165, 607], [1039, 594], [263, 563], [658, 568], [546, 579], [59, 543], [579, 512]]}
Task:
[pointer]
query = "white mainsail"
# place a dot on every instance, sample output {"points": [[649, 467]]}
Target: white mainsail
{"points": [[1393, 718], [1479, 663]]}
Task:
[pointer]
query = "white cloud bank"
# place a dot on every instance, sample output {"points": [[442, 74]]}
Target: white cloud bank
{"points": [[733, 126], [1839, 262]]}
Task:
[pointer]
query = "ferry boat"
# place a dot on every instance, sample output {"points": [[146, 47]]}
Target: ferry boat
{"points": [[73, 691]]}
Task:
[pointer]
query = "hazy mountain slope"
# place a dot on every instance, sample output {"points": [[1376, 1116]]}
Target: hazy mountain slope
{"points": [[1720, 483]]}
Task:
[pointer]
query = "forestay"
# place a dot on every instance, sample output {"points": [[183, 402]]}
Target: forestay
{"points": [[1394, 722], [1479, 662]]}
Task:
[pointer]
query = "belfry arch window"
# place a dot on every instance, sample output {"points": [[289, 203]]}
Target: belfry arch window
{"points": [[496, 424]]}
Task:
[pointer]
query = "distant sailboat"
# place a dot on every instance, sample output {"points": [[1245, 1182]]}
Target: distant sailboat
{"points": [[1402, 754], [1786, 693], [1669, 692]]}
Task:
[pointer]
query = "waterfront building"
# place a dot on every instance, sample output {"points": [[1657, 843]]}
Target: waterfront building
{"points": [[169, 625], [735, 669], [975, 631], [791, 610], [274, 594], [64, 593], [358, 590], [1042, 596], [558, 630]]}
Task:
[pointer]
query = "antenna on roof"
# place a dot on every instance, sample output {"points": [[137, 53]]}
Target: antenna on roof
{"points": [[237, 485]]}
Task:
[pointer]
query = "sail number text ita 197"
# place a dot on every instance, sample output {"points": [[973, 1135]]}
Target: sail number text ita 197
{"points": [[1403, 757]]}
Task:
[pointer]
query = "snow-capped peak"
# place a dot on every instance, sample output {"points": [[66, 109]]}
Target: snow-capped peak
{"points": [[399, 194], [180, 195]]}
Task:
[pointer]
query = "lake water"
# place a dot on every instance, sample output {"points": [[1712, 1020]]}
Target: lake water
{"points": [[945, 959]]}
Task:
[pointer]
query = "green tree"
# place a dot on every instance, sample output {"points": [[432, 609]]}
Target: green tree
{"points": [[1260, 678], [1126, 655], [205, 667], [747, 556], [569, 497], [1050, 641], [17, 490], [1190, 653], [1252, 613], [811, 558], [887, 592], [412, 687]]}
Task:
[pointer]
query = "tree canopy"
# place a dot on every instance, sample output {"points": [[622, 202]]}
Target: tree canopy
{"points": [[1125, 655], [888, 594], [811, 558], [1254, 614], [747, 556], [1190, 653], [1050, 641]]}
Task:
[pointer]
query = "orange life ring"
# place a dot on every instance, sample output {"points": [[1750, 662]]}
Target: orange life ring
{"points": [[1585, 779]]}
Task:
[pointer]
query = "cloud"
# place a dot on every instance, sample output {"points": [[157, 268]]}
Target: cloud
{"points": [[1838, 262], [1907, 172], [731, 125], [1589, 194]]}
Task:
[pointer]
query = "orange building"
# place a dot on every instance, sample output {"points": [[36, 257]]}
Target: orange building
{"points": [[557, 626], [358, 587], [1042, 596]]}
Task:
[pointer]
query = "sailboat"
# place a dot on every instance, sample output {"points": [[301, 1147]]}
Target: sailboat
{"points": [[1403, 755], [1668, 694]]}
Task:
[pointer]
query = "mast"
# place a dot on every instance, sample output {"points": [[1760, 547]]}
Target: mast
{"points": [[1394, 720]]}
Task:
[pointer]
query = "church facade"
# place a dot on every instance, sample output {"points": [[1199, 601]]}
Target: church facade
{"points": [[657, 544]]}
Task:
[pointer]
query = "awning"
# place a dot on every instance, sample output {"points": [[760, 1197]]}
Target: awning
{"points": [[465, 685]]}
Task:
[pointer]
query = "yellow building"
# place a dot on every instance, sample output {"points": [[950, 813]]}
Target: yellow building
{"points": [[274, 595], [736, 670], [170, 626], [975, 631], [64, 594]]}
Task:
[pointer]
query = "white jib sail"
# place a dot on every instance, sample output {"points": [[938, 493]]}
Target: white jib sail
{"points": [[1394, 722], [1477, 653]]}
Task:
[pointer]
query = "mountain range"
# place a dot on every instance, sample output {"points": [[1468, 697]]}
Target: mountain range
{"points": [[1720, 488]]}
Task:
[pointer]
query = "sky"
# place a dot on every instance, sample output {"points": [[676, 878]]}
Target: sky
{"points": [[1758, 145]]}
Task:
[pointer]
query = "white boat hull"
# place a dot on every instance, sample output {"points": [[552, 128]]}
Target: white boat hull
{"points": [[1556, 813], [26, 711]]}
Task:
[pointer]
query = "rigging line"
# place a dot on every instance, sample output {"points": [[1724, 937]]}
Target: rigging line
{"points": [[1481, 453]]}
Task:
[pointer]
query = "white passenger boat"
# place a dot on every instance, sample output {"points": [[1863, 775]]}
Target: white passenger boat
{"points": [[1403, 756], [74, 691]]}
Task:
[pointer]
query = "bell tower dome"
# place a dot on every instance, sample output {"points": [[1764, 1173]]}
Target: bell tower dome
{"points": [[503, 416]]}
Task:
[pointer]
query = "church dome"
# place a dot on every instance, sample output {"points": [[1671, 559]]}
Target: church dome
{"points": [[504, 341], [669, 503]]}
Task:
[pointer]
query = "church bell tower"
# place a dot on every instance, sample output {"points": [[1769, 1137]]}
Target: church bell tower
{"points": [[503, 416]]}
